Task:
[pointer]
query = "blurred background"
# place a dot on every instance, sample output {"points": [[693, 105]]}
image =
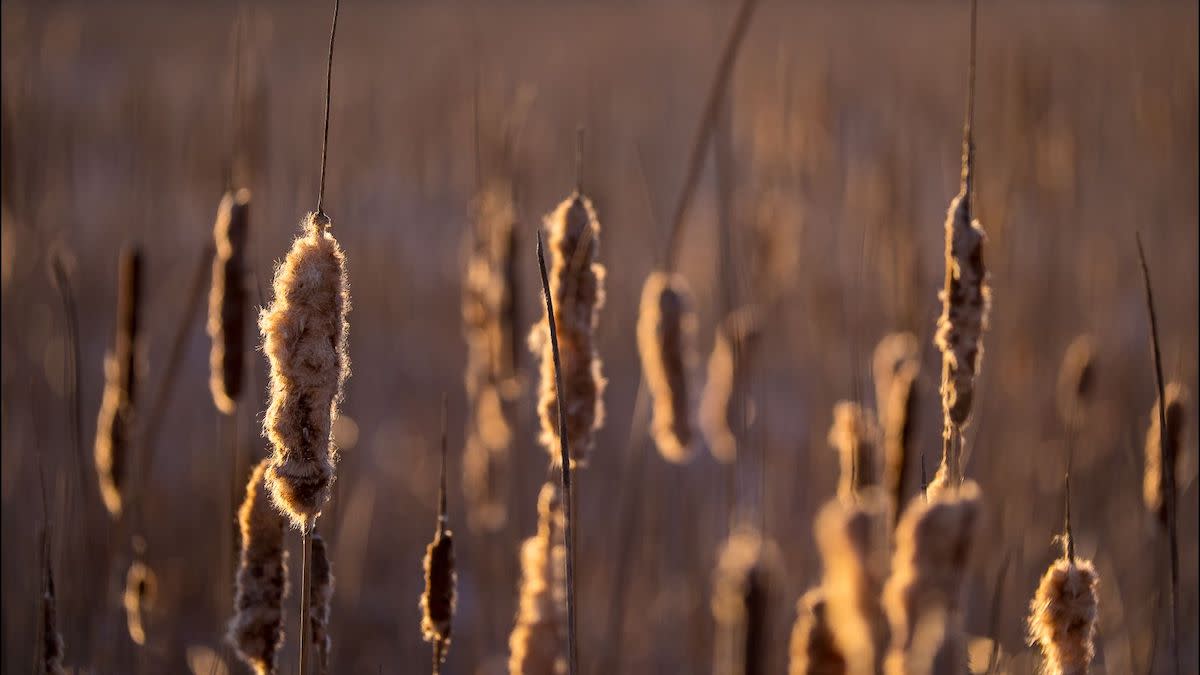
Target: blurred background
{"points": [[842, 132]]}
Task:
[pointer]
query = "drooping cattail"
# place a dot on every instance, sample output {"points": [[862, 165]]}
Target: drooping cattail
{"points": [[666, 329], [747, 572], [439, 598], [923, 595], [855, 436], [892, 353], [537, 645], [1076, 378], [256, 630], [812, 650], [577, 286], [141, 588], [854, 544], [899, 429], [115, 425], [728, 372], [305, 338], [1158, 454], [227, 300], [320, 602], [51, 657], [1063, 614]]}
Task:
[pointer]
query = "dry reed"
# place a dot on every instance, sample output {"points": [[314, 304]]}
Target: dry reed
{"points": [[141, 588], [320, 602], [115, 426], [728, 373], [812, 650], [748, 568], [305, 338], [227, 300], [537, 645], [1076, 379], [256, 630], [666, 328], [855, 436], [1162, 448], [1063, 614]]}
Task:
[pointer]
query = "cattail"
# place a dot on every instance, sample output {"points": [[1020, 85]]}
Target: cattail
{"points": [[577, 286], [854, 435], [812, 650], [1159, 454], [486, 478], [141, 586], [305, 336], [256, 630], [892, 354], [320, 602], [51, 657], [922, 597], [728, 371], [1075, 379], [115, 425], [853, 540], [899, 428], [747, 569], [537, 645], [1062, 616], [227, 300], [666, 333]]}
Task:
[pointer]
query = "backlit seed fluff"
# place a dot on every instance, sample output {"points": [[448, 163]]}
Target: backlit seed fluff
{"points": [[116, 421], [305, 336], [666, 330], [439, 599], [537, 645], [1063, 613], [577, 286], [256, 630], [227, 300], [892, 353], [812, 650], [320, 602], [1157, 455], [141, 586], [855, 436], [727, 374], [1075, 379]]}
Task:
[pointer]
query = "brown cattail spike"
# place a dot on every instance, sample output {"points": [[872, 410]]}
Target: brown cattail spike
{"points": [[748, 567], [115, 425], [666, 335], [320, 602], [438, 600], [892, 354], [256, 630], [305, 338], [577, 286], [855, 436], [537, 645], [1062, 616], [227, 300], [1169, 449], [1076, 379], [899, 429], [141, 588], [727, 375], [812, 650]]}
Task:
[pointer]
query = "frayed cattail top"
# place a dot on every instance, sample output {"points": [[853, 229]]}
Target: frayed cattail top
{"points": [[52, 643], [304, 336], [855, 436], [141, 587], [439, 598], [227, 300], [115, 424], [748, 568], [1062, 616], [666, 335], [854, 544], [488, 299], [537, 645], [892, 353], [934, 540], [577, 284], [1075, 379], [256, 630], [812, 650], [321, 602], [1158, 455], [728, 370], [899, 429]]}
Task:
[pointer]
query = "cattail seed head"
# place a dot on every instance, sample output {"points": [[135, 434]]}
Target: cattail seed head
{"points": [[438, 600], [305, 338], [728, 372], [899, 428], [489, 286], [537, 645], [1076, 379], [748, 569], [855, 436], [141, 588], [115, 425], [812, 650], [227, 300], [320, 602], [1063, 613], [1159, 454], [486, 477], [256, 630], [666, 330], [892, 354], [577, 286]]}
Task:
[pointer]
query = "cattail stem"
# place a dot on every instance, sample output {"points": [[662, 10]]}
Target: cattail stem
{"points": [[1168, 464], [305, 592], [328, 96], [572, 658]]}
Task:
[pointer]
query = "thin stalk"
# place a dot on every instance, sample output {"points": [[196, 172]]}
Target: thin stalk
{"points": [[328, 96], [305, 591], [62, 282], [572, 657]]}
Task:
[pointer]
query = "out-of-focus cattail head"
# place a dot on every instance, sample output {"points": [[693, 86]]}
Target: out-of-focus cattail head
{"points": [[854, 544], [256, 630], [1164, 448], [486, 480], [320, 602], [577, 286], [115, 425], [489, 286], [728, 372], [51, 656], [438, 600], [892, 354], [934, 541], [666, 331], [141, 589], [746, 579], [227, 300], [855, 436], [812, 650], [899, 429], [1076, 379], [305, 338], [537, 645], [1062, 616]]}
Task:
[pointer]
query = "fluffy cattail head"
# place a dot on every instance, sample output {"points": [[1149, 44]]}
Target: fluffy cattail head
{"points": [[577, 286], [488, 301], [537, 645], [666, 334], [141, 588], [256, 630], [812, 650], [892, 354], [899, 428], [1076, 378], [728, 371], [855, 436], [922, 596], [305, 336], [320, 602], [438, 600], [748, 569], [1164, 448], [115, 424], [1062, 616], [227, 300]]}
